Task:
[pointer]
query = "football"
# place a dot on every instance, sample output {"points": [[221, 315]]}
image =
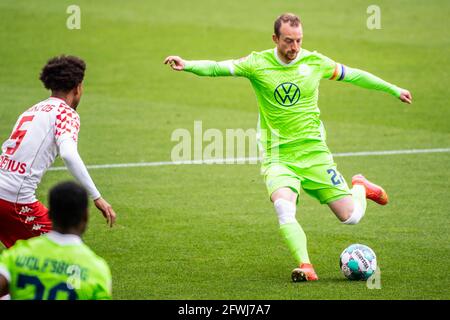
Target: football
{"points": [[358, 262]]}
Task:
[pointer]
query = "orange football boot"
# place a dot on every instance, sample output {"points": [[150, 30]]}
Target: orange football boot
{"points": [[304, 273], [373, 192]]}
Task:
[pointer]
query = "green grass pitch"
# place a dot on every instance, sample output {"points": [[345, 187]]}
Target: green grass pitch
{"points": [[209, 231]]}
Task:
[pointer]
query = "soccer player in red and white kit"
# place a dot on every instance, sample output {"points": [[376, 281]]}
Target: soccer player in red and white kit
{"points": [[42, 132]]}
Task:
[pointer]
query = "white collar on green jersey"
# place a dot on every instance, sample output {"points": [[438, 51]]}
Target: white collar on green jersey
{"points": [[64, 239], [275, 52]]}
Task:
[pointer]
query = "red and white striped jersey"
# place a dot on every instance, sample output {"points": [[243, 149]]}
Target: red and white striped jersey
{"points": [[33, 146]]}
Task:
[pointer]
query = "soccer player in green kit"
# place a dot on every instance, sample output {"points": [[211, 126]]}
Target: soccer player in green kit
{"points": [[286, 82], [57, 265]]}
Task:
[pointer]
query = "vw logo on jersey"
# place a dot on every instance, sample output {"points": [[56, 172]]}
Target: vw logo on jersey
{"points": [[287, 94]]}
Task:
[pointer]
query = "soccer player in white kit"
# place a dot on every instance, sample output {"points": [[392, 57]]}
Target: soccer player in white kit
{"points": [[44, 131]]}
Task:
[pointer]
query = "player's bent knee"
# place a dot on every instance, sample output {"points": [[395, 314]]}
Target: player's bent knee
{"points": [[284, 193], [285, 210], [356, 215]]}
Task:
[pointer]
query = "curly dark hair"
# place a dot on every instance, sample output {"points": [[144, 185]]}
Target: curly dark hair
{"points": [[63, 73], [68, 204]]}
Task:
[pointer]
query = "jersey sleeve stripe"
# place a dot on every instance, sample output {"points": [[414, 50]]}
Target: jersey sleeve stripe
{"points": [[335, 72], [229, 65], [338, 73], [342, 72]]}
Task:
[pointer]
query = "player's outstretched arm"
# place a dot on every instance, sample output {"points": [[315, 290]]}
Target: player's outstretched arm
{"points": [[367, 80], [201, 67], [69, 153]]}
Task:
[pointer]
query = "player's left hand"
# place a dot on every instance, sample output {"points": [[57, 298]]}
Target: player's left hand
{"points": [[406, 96], [106, 210]]}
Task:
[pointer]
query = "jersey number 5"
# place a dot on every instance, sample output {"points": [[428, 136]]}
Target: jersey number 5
{"points": [[18, 135]]}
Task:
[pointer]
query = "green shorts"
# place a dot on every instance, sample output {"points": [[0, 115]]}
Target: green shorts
{"points": [[321, 179]]}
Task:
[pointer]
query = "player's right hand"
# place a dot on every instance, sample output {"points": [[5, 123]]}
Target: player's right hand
{"points": [[106, 210], [175, 62], [406, 96]]}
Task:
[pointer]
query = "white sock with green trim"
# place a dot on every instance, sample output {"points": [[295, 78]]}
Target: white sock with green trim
{"points": [[359, 204]]}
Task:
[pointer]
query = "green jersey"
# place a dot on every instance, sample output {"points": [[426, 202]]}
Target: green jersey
{"points": [[55, 267], [288, 95]]}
